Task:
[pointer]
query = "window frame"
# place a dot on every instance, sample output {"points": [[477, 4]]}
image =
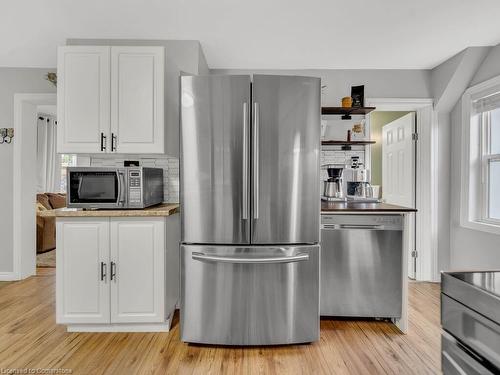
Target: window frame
{"points": [[474, 191], [486, 157], [61, 168]]}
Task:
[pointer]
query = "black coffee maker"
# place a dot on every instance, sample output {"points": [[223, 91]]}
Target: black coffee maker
{"points": [[333, 187]]}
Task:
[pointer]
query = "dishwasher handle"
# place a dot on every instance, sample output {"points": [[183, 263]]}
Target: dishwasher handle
{"points": [[353, 226]]}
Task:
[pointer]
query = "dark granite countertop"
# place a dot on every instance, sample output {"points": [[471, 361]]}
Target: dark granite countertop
{"points": [[327, 207]]}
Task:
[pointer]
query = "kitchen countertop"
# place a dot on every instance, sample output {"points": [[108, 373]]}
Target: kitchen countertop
{"points": [[164, 209], [330, 207]]}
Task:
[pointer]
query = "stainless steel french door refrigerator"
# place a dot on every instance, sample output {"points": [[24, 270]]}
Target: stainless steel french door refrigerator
{"points": [[250, 209]]}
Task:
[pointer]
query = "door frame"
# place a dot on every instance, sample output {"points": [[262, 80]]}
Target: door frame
{"points": [[426, 179], [24, 236]]}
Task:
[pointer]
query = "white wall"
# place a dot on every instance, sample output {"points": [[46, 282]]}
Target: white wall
{"points": [[448, 82], [490, 67], [378, 83], [186, 54], [13, 81], [470, 249]]}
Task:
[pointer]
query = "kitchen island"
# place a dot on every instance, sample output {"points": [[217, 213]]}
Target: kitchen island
{"points": [[117, 270], [365, 251]]}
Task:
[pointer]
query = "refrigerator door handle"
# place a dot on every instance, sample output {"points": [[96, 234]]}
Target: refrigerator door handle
{"points": [[237, 260], [256, 161], [245, 161]]}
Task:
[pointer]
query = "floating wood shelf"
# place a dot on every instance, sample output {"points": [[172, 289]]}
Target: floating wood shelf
{"points": [[345, 144], [350, 143], [346, 112]]}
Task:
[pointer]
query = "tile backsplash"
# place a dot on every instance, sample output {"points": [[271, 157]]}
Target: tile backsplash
{"points": [[169, 164], [334, 155]]}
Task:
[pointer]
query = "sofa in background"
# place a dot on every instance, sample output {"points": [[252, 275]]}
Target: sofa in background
{"points": [[46, 226]]}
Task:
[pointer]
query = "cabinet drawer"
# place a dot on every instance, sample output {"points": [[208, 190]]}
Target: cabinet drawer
{"points": [[458, 360], [474, 330]]}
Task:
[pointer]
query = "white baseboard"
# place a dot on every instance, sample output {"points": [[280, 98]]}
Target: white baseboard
{"points": [[139, 327], [8, 276]]}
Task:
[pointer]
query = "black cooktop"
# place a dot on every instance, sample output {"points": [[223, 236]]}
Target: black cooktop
{"points": [[486, 280]]}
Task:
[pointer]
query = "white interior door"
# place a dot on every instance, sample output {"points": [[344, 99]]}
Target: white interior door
{"points": [[137, 108], [137, 271], [398, 171]]}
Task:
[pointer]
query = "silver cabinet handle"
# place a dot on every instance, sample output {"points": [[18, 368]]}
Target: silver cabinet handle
{"points": [[256, 161], [103, 142], [235, 260], [113, 271], [103, 271], [113, 142], [245, 162]]}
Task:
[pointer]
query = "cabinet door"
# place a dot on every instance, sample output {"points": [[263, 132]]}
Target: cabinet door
{"points": [[82, 284], [83, 99], [137, 108], [138, 264]]}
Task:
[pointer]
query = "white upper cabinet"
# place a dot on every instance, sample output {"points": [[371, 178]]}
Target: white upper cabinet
{"points": [[83, 93], [137, 99], [111, 99]]}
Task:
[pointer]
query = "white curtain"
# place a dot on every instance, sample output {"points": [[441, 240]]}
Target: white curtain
{"points": [[48, 178]]}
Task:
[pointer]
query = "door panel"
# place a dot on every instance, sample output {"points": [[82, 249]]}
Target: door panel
{"points": [[137, 108], [285, 169], [82, 275], [138, 262], [214, 159], [83, 107], [398, 161], [398, 172], [249, 295]]}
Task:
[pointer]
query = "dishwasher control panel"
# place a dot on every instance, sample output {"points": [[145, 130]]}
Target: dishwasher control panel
{"points": [[362, 221]]}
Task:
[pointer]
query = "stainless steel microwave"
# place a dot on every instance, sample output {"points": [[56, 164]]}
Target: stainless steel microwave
{"points": [[114, 188]]}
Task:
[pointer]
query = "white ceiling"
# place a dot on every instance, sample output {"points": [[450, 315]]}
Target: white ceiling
{"points": [[354, 34]]}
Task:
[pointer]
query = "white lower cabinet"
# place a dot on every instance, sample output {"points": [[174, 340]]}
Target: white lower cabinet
{"points": [[137, 269], [82, 293], [111, 273]]}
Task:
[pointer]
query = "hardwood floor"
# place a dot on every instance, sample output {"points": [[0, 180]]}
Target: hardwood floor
{"points": [[29, 338]]}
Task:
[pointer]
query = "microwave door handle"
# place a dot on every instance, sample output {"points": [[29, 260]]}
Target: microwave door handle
{"points": [[121, 187], [80, 182]]}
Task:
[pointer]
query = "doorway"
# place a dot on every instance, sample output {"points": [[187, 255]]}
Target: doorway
{"points": [[393, 166], [424, 265], [26, 109]]}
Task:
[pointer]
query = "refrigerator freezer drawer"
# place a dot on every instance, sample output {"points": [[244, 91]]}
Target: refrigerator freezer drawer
{"points": [[234, 295]]}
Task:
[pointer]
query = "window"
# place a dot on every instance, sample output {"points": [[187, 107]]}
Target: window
{"points": [[490, 160], [480, 191], [67, 160]]}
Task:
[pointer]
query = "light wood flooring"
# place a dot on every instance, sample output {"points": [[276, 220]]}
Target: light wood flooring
{"points": [[29, 338]]}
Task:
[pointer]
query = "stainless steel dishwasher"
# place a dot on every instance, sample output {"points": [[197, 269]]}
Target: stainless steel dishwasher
{"points": [[361, 265]]}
